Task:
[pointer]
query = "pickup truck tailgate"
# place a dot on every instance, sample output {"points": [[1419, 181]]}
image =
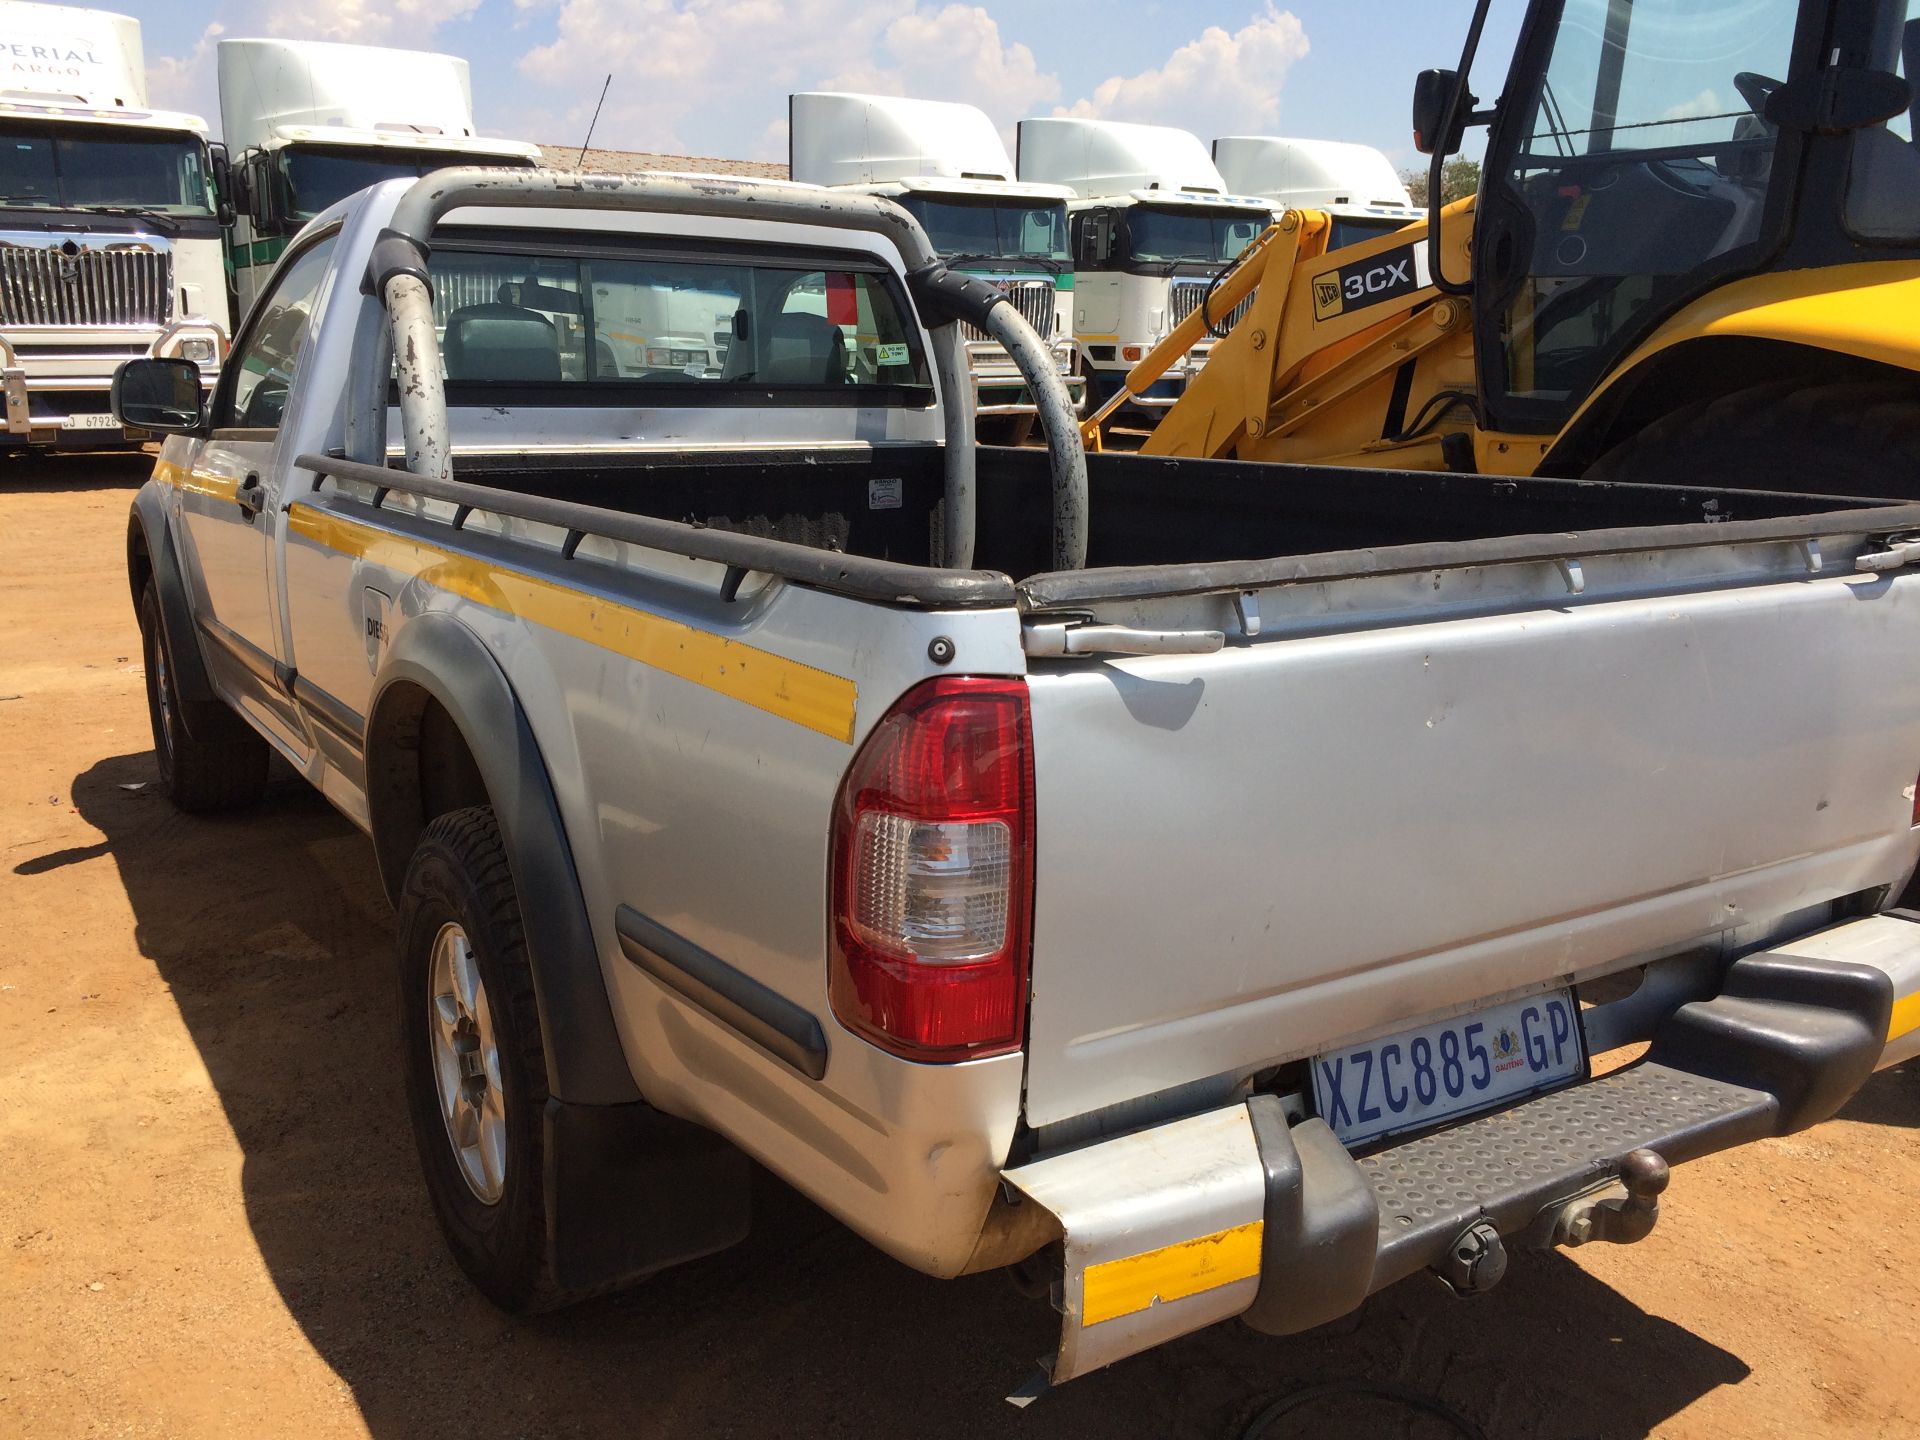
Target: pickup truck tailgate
{"points": [[1254, 855]]}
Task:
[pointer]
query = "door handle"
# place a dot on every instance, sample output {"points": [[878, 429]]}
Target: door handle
{"points": [[250, 497]]}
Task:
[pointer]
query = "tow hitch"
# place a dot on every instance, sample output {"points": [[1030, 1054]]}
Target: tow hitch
{"points": [[1618, 1214], [1616, 1218]]}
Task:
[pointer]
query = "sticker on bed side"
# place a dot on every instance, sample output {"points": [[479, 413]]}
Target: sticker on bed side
{"points": [[1368, 282], [888, 494], [892, 354]]}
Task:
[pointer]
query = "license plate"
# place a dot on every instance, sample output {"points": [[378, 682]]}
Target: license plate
{"points": [[1456, 1067], [91, 422]]}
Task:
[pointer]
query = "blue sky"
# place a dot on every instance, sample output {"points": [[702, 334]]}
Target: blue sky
{"points": [[711, 76]]}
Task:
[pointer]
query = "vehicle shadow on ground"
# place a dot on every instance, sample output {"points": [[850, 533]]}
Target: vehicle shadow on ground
{"points": [[1890, 1098], [65, 474], [270, 929]]}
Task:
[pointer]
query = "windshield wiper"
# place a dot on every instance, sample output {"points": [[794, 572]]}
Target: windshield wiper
{"points": [[166, 222]]}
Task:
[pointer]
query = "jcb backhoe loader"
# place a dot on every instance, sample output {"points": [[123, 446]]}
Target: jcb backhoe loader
{"points": [[1695, 249]]}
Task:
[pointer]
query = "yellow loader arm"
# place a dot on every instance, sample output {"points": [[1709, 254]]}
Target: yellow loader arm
{"points": [[1307, 372]]}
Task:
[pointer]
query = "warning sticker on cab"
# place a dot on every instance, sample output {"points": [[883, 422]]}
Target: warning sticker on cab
{"points": [[1370, 281]]}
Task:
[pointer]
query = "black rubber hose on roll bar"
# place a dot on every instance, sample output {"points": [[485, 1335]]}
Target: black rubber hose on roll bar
{"points": [[944, 296]]}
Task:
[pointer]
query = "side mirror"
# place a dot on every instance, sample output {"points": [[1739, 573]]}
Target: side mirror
{"points": [[221, 169], [162, 395], [1433, 91], [260, 196]]}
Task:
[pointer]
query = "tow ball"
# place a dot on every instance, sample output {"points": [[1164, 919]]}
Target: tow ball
{"points": [[1478, 1258], [1616, 1219]]}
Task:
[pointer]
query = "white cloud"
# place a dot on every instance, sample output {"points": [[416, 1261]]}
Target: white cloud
{"points": [[368, 22], [1707, 102], [1216, 84], [702, 74], [185, 82], [712, 76], [954, 53]]}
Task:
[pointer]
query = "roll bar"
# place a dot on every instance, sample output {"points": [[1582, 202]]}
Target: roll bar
{"points": [[397, 275]]}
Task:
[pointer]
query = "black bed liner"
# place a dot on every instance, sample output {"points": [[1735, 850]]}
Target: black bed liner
{"points": [[861, 520]]}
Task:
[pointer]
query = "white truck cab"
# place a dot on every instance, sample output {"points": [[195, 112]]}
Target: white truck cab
{"points": [[309, 123], [109, 226], [947, 166], [1153, 224], [1355, 184]]}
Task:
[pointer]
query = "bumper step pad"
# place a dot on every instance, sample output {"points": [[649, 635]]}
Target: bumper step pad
{"points": [[1509, 1166], [1782, 1046]]}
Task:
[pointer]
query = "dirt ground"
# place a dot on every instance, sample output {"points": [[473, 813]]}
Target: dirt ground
{"points": [[211, 1224]]}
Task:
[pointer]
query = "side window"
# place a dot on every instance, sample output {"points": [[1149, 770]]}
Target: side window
{"points": [[1094, 243], [1883, 183], [265, 360]]}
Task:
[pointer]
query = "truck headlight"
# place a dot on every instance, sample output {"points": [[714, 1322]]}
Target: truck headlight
{"points": [[197, 348]]}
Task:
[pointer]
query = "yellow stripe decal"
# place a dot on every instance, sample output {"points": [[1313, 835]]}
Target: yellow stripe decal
{"points": [[214, 487], [1906, 1017], [814, 698], [1115, 1288]]}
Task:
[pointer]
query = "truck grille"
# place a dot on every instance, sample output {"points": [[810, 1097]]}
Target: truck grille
{"points": [[1032, 298], [130, 284], [1186, 300]]}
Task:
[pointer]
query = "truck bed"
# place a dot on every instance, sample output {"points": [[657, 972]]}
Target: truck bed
{"points": [[882, 504]]}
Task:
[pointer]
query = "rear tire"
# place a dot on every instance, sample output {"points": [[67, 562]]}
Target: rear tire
{"points": [[197, 775], [476, 1072], [1842, 439]]}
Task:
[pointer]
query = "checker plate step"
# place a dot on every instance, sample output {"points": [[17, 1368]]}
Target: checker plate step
{"points": [[1508, 1166]]}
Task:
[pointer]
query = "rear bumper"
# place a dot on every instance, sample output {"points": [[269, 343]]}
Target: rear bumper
{"points": [[1236, 1212]]}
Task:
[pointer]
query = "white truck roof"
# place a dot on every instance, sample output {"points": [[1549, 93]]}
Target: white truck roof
{"points": [[55, 53], [896, 145], [1310, 173], [1100, 159], [277, 92]]}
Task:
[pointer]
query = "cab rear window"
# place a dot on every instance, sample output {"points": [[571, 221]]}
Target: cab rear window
{"points": [[578, 326]]}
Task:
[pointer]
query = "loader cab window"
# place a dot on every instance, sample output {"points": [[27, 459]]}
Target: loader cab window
{"points": [[1883, 181], [1636, 163]]}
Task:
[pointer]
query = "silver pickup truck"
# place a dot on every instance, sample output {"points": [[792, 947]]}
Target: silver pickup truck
{"points": [[1208, 889]]}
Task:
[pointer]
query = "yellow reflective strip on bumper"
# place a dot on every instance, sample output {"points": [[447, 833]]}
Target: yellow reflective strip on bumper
{"points": [[1124, 1287], [1906, 1018], [813, 698]]}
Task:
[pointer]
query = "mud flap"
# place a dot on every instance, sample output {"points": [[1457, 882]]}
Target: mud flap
{"points": [[1162, 1234]]}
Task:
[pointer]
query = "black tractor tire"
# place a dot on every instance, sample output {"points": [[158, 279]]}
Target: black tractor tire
{"points": [[199, 776], [1856, 439], [459, 878]]}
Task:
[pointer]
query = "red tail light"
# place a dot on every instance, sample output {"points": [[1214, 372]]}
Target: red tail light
{"points": [[933, 874]]}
